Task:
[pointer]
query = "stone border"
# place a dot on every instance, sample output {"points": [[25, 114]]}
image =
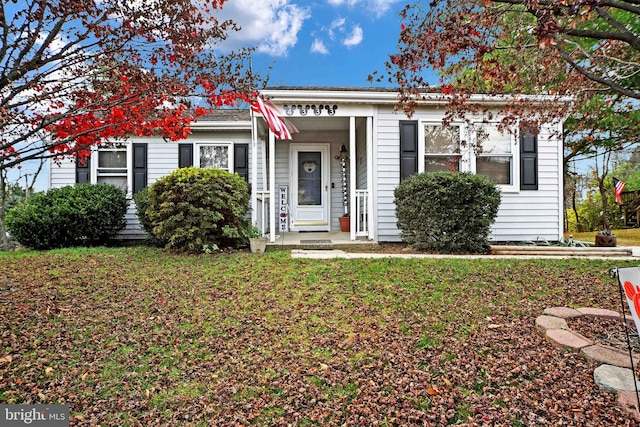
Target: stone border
{"points": [[614, 373]]}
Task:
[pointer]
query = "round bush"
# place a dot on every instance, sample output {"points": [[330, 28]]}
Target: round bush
{"points": [[83, 214], [197, 210], [447, 211]]}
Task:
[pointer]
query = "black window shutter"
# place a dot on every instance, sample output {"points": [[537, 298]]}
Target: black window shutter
{"points": [[139, 166], [241, 160], [83, 170], [185, 155], [408, 148], [528, 161]]}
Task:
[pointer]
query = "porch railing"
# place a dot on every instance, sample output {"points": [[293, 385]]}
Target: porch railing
{"points": [[362, 213]]}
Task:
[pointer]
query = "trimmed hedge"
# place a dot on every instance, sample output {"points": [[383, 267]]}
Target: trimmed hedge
{"points": [[80, 215], [447, 212], [199, 210]]}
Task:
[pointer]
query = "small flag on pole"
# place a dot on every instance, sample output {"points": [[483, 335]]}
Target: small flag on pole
{"points": [[280, 126], [618, 186]]}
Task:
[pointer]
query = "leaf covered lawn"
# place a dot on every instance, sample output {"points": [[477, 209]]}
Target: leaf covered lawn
{"points": [[134, 336]]}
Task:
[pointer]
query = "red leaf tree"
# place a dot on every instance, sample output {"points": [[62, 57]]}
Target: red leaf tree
{"points": [[75, 73], [551, 47]]}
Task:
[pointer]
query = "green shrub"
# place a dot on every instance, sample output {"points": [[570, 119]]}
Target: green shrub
{"points": [[447, 212], [198, 210], [83, 214], [142, 203]]}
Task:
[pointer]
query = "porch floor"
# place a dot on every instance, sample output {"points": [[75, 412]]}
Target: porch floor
{"points": [[317, 240]]}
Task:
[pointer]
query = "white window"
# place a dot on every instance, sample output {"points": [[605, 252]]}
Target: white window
{"points": [[112, 165], [494, 157], [215, 155], [441, 148]]}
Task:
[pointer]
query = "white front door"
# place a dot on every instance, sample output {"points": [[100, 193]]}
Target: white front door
{"points": [[310, 184]]}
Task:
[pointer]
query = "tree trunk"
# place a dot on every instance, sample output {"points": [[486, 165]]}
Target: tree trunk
{"points": [[605, 206], [3, 210]]}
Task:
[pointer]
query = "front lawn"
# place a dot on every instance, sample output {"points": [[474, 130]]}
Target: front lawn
{"points": [[626, 237], [133, 336]]}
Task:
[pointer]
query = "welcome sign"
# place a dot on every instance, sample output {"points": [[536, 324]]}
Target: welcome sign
{"points": [[629, 278]]}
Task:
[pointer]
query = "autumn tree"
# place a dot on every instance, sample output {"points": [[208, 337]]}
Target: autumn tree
{"points": [[565, 50], [524, 46], [75, 73], [578, 59]]}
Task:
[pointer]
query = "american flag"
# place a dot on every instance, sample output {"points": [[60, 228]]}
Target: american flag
{"points": [[618, 186], [280, 126]]}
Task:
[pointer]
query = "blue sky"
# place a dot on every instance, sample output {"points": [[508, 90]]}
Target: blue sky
{"points": [[318, 43]]}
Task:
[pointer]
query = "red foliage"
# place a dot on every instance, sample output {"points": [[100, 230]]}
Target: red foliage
{"points": [[113, 76]]}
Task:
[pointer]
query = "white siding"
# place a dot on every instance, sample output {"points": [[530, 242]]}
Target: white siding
{"points": [[162, 159], [523, 215], [62, 173]]}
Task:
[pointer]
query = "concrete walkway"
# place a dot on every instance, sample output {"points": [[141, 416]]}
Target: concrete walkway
{"points": [[629, 253]]}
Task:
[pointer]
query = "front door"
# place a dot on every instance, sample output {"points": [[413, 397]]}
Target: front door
{"points": [[310, 184]]}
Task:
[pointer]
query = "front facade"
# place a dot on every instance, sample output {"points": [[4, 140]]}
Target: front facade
{"points": [[350, 153]]}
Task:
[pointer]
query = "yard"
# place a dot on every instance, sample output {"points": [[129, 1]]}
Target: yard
{"points": [[134, 336]]}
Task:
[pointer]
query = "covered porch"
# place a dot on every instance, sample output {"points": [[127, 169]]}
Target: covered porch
{"points": [[303, 186]]}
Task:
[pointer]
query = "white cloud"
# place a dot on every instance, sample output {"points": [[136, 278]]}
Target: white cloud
{"points": [[354, 38], [319, 47], [336, 24], [376, 7], [270, 25]]}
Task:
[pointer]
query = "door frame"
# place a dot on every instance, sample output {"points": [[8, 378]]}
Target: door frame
{"points": [[325, 150]]}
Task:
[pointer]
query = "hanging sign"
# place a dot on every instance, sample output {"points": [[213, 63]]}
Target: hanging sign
{"points": [[283, 215]]}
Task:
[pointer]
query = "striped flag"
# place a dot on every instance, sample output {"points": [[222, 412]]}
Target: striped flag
{"points": [[618, 186], [280, 126]]}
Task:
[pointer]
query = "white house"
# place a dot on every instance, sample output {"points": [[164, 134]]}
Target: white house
{"points": [[297, 185]]}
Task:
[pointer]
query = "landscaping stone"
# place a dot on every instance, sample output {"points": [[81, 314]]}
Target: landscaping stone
{"points": [[599, 312], [613, 378], [629, 401], [550, 322], [567, 338], [563, 312], [609, 355]]}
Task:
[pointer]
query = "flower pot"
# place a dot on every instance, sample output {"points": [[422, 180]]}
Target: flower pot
{"points": [[345, 224], [257, 245], [606, 240]]}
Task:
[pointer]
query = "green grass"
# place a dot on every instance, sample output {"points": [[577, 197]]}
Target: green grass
{"points": [[137, 336], [626, 237]]}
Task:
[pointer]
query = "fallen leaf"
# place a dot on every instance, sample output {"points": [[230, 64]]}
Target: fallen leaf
{"points": [[433, 391]]}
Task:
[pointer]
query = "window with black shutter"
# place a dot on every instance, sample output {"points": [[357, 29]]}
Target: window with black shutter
{"points": [[83, 170], [241, 160], [408, 148], [139, 166], [185, 155], [528, 161]]}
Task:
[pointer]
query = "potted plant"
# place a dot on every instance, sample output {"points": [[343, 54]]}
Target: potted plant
{"points": [[345, 220], [257, 240], [345, 223]]}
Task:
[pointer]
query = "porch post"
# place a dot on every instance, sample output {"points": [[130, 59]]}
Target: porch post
{"points": [[352, 177], [254, 170], [370, 190], [272, 187]]}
